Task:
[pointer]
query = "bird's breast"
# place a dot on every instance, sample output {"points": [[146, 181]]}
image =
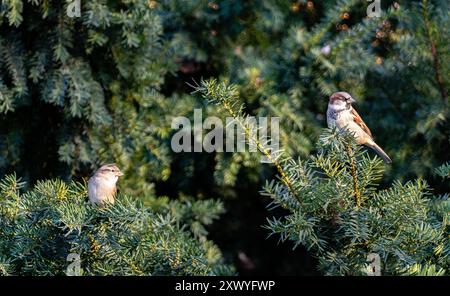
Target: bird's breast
{"points": [[332, 117], [100, 189]]}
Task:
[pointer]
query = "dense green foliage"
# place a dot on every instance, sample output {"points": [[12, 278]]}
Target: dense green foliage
{"points": [[101, 75], [342, 218], [104, 87], [40, 228]]}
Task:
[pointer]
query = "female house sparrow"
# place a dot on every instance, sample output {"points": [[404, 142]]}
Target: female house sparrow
{"points": [[340, 113], [102, 185]]}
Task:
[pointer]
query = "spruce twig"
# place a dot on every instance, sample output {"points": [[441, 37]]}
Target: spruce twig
{"points": [[353, 171], [283, 175]]}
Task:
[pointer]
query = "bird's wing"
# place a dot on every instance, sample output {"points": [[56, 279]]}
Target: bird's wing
{"points": [[358, 120]]}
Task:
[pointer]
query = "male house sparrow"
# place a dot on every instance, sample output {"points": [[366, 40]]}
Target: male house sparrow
{"points": [[340, 113], [102, 185]]}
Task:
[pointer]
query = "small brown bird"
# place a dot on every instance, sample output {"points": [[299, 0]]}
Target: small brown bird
{"points": [[340, 113], [102, 185]]}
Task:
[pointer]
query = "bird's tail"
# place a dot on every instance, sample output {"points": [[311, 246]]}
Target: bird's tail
{"points": [[380, 152]]}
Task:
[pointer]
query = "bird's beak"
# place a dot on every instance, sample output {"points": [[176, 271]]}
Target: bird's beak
{"points": [[119, 173], [352, 100]]}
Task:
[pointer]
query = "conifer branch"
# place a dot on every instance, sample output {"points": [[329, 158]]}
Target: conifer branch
{"points": [[434, 52], [227, 98], [251, 136]]}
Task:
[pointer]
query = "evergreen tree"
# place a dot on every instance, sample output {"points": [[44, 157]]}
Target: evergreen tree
{"points": [[97, 77], [336, 210], [43, 230]]}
